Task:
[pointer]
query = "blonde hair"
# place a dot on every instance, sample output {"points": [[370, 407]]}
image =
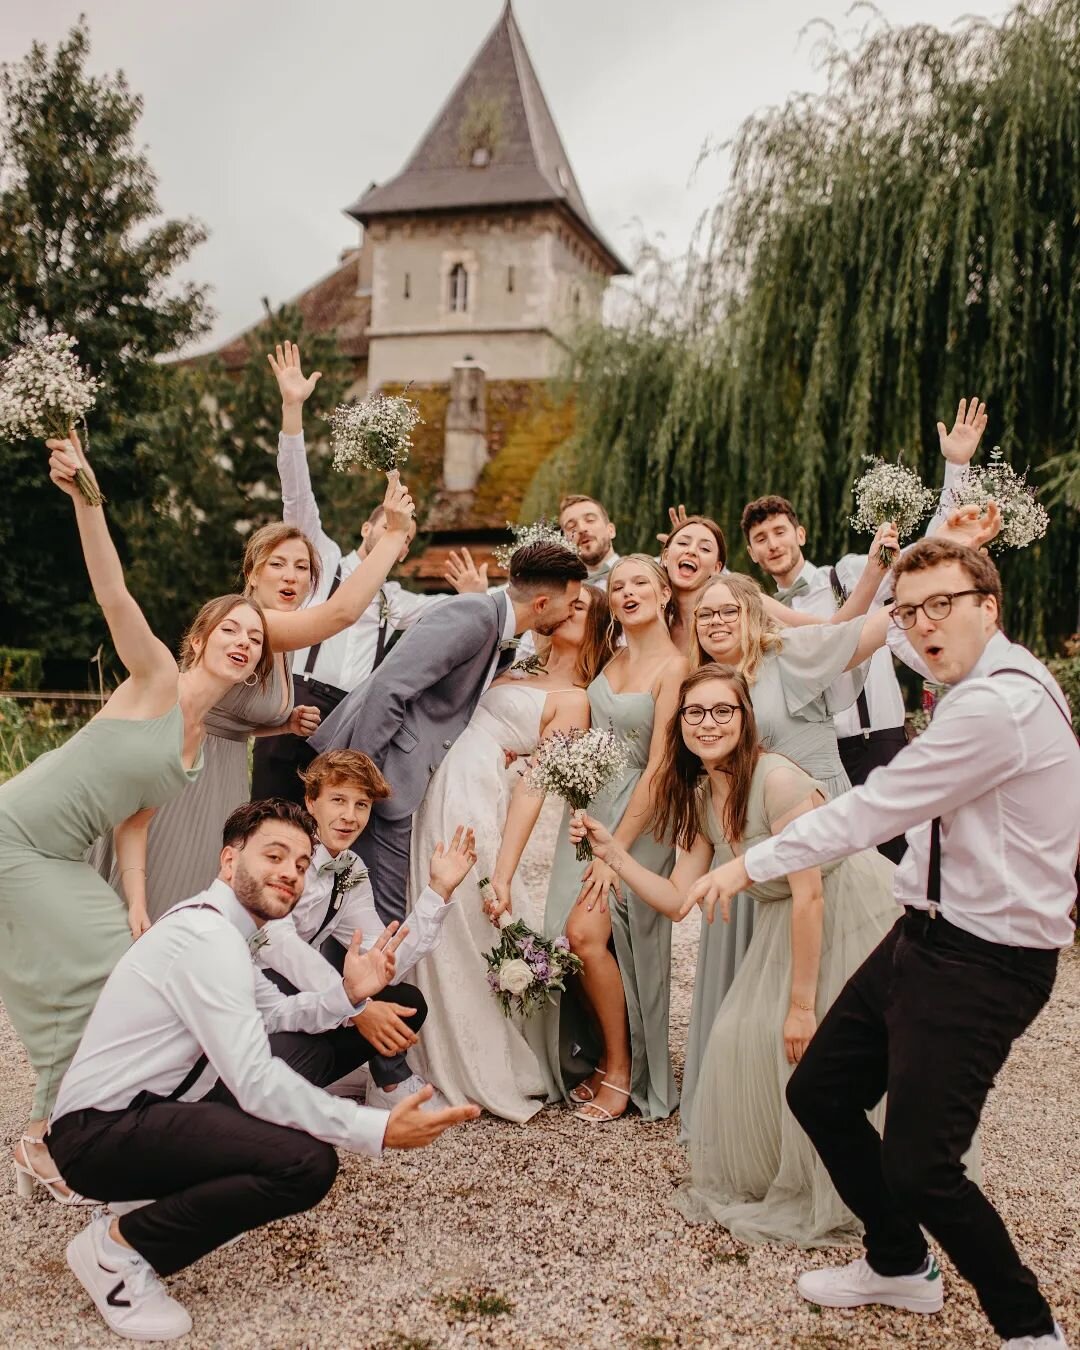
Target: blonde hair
{"points": [[662, 582], [214, 612], [758, 636], [265, 540]]}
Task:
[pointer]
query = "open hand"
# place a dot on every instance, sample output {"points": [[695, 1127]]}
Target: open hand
{"points": [[972, 525], [303, 720], [294, 385], [410, 1126], [959, 445], [718, 887], [398, 504], [451, 864], [799, 1027], [677, 516], [366, 973], [463, 574], [597, 880], [380, 1022], [66, 459]]}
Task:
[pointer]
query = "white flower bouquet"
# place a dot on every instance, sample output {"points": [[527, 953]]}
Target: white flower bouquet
{"points": [[525, 969], [576, 766], [375, 433], [44, 392], [542, 531], [1023, 517], [890, 492]]}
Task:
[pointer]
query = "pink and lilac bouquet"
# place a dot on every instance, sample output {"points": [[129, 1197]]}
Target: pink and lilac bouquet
{"points": [[525, 969]]}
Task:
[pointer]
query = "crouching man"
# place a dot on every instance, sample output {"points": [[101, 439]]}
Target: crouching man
{"points": [[175, 1098]]}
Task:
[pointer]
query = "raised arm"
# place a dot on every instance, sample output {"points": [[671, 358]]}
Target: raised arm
{"points": [[665, 894], [862, 595], [298, 504], [144, 656], [289, 632]]}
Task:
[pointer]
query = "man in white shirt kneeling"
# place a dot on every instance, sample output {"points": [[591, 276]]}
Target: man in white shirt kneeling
{"points": [[987, 796], [134, 1121]]}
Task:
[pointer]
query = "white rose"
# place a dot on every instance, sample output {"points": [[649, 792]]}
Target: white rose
{"points": [[515, 977]]}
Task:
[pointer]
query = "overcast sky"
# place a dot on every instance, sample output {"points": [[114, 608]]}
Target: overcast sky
{"points": [[264, 118]]}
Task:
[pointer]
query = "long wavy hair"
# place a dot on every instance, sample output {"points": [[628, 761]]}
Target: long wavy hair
{"points": [[596, 649], [757, 635], [680, 783], [660, 579]]}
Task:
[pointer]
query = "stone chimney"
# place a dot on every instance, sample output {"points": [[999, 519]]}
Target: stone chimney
{"points": [[465, 450]]}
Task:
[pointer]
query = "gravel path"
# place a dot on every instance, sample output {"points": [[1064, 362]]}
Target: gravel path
{"points": [[557, 1234]]}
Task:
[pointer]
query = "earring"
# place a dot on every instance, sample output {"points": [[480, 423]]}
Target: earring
{"points": [[252, 680]]}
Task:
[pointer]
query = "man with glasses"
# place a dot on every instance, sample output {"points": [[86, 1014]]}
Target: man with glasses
{"points": [[987, 796]]}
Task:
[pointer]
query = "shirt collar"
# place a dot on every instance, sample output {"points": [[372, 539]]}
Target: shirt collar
{"points": [[322, 858], [223, 897], [603, 567], [994, 650]]}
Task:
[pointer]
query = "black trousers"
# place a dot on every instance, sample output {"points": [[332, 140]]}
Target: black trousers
{"points": [[860, 755], [929, 1018], [334, 1054], [277, 760], [211, 1170]]}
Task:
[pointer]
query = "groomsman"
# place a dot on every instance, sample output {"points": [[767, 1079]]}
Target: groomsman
{"points": [[987, 795], [186, 1169], [325, 673]]}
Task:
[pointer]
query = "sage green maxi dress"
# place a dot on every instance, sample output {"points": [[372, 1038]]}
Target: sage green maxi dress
{"points": [[642, 937], [63, 926]]}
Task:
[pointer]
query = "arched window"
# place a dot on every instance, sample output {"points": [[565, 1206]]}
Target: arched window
{"points": [[459, 289]]}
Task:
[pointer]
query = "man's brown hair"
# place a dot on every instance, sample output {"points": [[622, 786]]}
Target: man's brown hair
{"points": [[575, 499], [538, 567], [344, 768], [762, 508], [246, 819], [928, 553]]}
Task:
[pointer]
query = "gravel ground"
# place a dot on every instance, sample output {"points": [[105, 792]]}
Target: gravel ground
{"points": [[558, 1234]]}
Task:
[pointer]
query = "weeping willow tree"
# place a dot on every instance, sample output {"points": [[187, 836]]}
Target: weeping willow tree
{"points": [[908, 238]]}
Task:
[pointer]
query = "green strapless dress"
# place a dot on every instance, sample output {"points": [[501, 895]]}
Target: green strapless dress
{"points": [[642, 937], [64, 928]]}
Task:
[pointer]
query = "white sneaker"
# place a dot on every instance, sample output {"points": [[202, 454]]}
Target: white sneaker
{"points": [[386, 1101], [857, 1283], [1055, 1338], [354, 1085], [127, 1292]]}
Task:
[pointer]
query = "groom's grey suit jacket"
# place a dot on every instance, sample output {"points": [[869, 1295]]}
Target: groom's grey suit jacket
{"points": [[412, 709]]}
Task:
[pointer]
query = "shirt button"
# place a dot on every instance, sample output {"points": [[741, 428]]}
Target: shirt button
{"points": [[447, 744]]}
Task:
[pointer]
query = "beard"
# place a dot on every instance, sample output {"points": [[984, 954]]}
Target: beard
{"points": [[258, 898], [547, 629], [593, 552]]}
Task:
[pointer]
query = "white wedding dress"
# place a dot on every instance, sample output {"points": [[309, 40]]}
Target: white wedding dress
{"points": [[468, 1049]]}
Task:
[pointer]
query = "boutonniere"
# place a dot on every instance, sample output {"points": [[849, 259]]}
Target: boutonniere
{"points": [[257, 941], [353, 877], [384, 608]]}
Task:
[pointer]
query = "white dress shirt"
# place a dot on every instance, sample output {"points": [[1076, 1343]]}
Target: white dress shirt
{"points": [[1001, 767], [188, 988], [289, 948], [348, 658], [508, 634]]}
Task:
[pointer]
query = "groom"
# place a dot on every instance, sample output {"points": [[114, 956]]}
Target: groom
{"points": [[419, 701]]}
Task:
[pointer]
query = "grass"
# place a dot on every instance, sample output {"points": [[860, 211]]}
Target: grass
{"points": [[476, 1303], [27, 732]]}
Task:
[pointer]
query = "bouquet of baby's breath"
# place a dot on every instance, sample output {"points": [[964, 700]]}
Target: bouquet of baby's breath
{"points": [[525, 969], [1023, 517], [376, 432], [890, 492], [576, 766], [542, 531], [43, 393]]}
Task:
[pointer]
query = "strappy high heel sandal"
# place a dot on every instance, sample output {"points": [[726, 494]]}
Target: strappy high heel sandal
{"points": [[27, 1177], [581, 1092], [605, 1117]]}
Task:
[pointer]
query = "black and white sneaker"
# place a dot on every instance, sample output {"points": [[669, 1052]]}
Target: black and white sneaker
{"points": [[127, 1292]]}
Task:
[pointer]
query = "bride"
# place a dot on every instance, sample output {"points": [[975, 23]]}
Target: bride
{"points": [[468, 1049]]}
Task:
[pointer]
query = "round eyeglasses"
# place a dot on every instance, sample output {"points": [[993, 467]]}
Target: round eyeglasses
{"points": [[729, 613], [721, 713], [935, 607]]}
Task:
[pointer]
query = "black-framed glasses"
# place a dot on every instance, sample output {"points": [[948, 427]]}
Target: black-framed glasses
{"points": [[729, 613], [935, 607], [721, 713]]}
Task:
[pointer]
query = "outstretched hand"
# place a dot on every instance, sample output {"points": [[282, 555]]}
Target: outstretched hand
{"points": [[463, 574], [366, 973], [583, 826], [295, 387], [410, 1126], [451, 863], [972, 525], [718, 887], [959, 445]]}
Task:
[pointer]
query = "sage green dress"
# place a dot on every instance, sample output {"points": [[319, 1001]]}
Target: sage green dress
{"points": [[183, 847], [64, 927], [793, 707], [642, 937], [753, 1169]]}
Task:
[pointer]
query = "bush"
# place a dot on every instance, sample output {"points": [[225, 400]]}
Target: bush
{"points": [[1066, 670], [26, 733], [20, 668]]}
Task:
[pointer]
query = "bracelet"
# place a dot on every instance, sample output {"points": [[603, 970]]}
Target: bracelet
{"points": [[133, 869], [803, 1007]]}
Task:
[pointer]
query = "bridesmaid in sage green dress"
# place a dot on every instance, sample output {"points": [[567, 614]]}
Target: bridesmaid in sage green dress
{"points": [[615, 1038], [64, 927]]}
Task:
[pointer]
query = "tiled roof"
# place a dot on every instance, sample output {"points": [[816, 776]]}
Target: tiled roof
{"points": [[497, 108]]}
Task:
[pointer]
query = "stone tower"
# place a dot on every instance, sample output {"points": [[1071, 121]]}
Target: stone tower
{"points": [[482, 249]]}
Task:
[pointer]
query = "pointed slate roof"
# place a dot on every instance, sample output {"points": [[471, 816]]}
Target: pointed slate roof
{"points": [[496, 111]]}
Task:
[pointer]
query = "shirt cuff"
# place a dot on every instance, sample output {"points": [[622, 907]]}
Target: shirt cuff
{"points": [[431, 904], [290, 443], [370, 1130], [760, 861], [338, 1001]]}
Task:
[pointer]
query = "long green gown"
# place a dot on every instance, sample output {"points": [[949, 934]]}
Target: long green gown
{"points": [[64, 927], [642, 937]]}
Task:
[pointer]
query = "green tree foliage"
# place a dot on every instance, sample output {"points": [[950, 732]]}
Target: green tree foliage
{"points": [[82, 248], [908, 238]]}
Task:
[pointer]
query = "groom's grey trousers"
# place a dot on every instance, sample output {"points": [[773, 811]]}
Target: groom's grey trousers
{"points": [[385, 844]]}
